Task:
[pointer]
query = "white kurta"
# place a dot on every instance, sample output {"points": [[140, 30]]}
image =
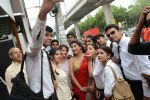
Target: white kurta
{"points": [[65, 67], [98, 72], [11, 72]]}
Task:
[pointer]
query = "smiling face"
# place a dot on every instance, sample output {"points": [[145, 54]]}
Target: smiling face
{"points": [[64, 52], [114, 35], [57, 57], [76, 49], [47, 39]]}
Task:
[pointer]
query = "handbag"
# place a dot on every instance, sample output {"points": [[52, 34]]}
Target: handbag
{"points": [[121, 90], [20, 89]]}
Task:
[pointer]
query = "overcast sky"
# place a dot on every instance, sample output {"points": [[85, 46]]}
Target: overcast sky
{"points": [[33, 8]]}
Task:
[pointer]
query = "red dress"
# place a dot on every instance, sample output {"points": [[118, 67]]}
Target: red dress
{"points": [[82, 77]]}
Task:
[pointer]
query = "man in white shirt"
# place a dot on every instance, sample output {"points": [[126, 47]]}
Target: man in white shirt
{"points": [[101, 40], [70, 37], [133, 65], [48, 38], [33, 61]]}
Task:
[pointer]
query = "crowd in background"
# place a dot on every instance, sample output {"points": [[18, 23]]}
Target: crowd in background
{"points": [[84, 69]]}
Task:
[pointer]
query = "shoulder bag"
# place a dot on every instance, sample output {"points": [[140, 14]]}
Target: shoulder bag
{"points": [[20, 89]]}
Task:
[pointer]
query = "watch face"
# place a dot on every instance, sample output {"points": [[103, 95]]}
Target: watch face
{"points": [[146, 75]]}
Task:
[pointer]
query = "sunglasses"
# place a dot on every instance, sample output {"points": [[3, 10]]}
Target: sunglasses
{"points": [[54, 44], [111, 33]]}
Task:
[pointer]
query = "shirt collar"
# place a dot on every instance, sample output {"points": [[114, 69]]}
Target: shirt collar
{"points": [[122, 41], [109, 62]]}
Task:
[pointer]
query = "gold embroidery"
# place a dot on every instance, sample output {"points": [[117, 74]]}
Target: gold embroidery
{"points": [[76, 64]]}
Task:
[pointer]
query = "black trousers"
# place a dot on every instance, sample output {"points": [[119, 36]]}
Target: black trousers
{"points": [[53, 97], [136, 88], [102, 94]]}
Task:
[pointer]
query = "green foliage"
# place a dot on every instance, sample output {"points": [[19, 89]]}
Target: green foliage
{"points": [[100, 20], [128, 17], [89, 23], [118, 13]]}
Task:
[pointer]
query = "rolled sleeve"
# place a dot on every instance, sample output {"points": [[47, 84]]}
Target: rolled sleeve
{"points": [[38, 34]]}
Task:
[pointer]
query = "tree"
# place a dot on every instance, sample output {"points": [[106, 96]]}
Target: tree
{"points": [[128, 17], [100, 20], [118, 13], [133, 13]]}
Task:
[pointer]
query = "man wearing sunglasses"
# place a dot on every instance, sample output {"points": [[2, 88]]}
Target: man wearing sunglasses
{"points": [[135, 46], [132, 65], [54, 44]]}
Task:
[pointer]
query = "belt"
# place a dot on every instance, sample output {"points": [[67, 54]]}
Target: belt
{"points": [[101, 90]]}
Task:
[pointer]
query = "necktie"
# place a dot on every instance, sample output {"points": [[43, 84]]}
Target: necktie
{"points": [[119, 62]]}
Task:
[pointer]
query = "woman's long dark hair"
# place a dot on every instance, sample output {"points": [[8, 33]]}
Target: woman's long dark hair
{"points": [[79, 44], [52, 52], [108, 50]]}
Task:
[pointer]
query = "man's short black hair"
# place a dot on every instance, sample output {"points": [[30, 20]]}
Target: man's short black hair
{"points": [[54, 41], [72, 34], [98, 36], [112, 26], [49, 29]]}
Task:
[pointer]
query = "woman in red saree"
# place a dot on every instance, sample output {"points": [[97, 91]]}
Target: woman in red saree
{"points": [[79, 71]]}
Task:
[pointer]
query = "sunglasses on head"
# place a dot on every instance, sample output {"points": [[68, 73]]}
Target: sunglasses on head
{"points": [[111, 33]]}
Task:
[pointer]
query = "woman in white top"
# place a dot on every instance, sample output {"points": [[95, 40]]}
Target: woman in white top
{"points": [[65, 62], [95, 70], [62, 87], [104, 56]]}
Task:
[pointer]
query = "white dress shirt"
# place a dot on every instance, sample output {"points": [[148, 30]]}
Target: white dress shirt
{"points": [[114, 48], [70, 51], [134, 65], [98, 72], [109, 80], [33, 62]]}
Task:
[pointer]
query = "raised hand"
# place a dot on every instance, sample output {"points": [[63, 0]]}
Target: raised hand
{"points": [[146, 10], [47, 5]]}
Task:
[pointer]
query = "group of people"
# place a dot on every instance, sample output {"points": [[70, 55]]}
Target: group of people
{"points": [[83, 69]]}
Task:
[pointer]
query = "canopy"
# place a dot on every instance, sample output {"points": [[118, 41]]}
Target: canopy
{"points": [[6, 9]]}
